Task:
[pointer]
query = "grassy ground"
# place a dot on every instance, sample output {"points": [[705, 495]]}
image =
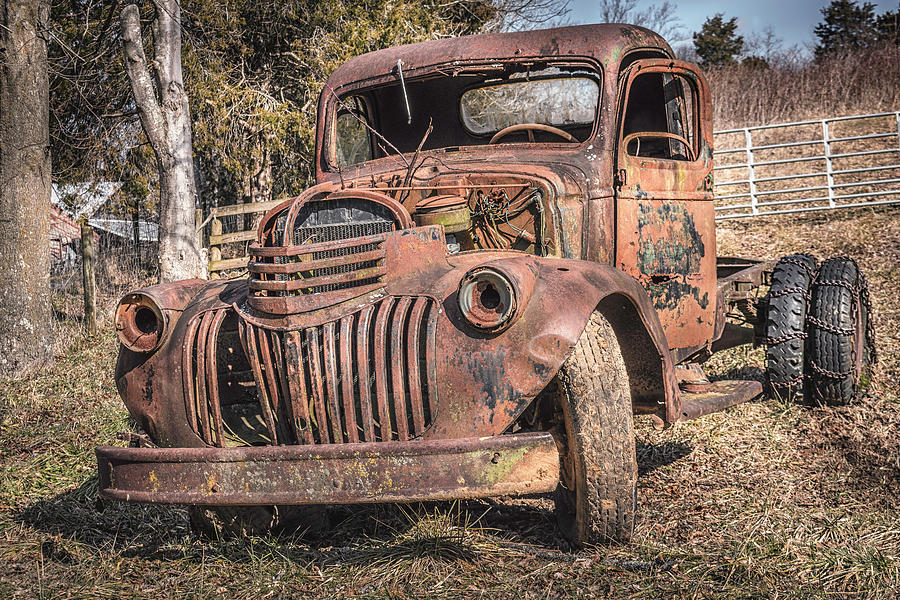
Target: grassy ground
{"points": [[764, 500]]}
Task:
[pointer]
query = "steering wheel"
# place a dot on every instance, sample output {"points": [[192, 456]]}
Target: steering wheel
{"points": [[688, 149], [531, 128]]}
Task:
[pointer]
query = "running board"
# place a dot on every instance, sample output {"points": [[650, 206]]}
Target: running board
{"points": [[718, 396]]}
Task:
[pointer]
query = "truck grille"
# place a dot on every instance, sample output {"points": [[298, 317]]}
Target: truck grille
{"points": [[337, 245], [368, 376]]}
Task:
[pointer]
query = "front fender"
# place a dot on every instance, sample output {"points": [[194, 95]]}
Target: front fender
{"points": [[151, 384], [487, 380]]}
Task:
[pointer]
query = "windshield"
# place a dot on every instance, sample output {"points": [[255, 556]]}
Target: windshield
{"points": [[540, 103], [559, 102]]}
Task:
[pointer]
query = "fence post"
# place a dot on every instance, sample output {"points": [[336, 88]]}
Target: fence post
{"points": [[751, 171], [87, 275], [215, 228], [897, 114], [829, 170]]}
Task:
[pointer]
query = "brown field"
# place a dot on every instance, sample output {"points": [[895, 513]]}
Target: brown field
{"points": [[765, 500]]}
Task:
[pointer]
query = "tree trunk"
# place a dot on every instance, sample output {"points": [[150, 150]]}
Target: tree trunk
{"points": [[26, 339], [163, 107]]}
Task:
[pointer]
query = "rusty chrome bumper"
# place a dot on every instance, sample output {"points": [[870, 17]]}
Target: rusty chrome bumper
{"points": [[332, 473]]}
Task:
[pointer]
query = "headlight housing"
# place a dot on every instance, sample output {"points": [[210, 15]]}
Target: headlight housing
{"points": [[140, 323], [487, 298]]}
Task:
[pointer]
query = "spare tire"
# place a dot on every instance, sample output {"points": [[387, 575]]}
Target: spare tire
{"points": [[841, 340], [785, 326]]}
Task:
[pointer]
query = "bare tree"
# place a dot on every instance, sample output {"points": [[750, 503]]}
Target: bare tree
{"points": [[25, 318], [163, 108], [517, 15], [661, 18]]}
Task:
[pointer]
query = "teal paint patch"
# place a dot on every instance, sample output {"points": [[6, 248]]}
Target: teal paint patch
{"points": [[670, 250], [668, 240]]}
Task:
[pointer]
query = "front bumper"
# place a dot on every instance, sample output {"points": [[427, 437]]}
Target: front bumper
{"points": [[332, 473]]}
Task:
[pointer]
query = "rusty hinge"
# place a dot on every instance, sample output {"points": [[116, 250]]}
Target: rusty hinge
{"points": [[620, 178]]}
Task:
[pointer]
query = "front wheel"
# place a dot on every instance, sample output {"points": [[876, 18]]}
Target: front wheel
{"points": [[597, 497]]}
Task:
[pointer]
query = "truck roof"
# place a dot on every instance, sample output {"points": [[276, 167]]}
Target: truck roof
{"points": [[607, 43]]}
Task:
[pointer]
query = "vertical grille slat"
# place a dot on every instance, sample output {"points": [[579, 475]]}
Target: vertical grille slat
{"points": [[318, 414], [265, 352], [212, 376], [188, 352], [296, 381], [331, 382], [380, 364], [365, 377], [413, 349], [348, 368], [255, 365], [200, 359], [397, 365], [430, 375], [365, 381]]}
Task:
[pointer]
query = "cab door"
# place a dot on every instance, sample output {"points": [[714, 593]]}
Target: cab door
{"points": [[665, 220]]}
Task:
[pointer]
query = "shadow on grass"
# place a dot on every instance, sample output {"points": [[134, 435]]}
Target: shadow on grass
{"points": [[653, 456], [131, 530], [741, 372], [379, 534]]}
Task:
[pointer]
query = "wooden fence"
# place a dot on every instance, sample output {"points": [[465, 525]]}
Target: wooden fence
{"points": [[219, 241]]}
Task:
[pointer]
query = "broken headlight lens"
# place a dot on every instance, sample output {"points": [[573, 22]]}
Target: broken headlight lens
{"points": [[140, 323], [487, 298]]}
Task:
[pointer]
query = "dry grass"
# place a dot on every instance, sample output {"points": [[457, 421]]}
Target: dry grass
{"points": [[765, 500], [796, 90]]}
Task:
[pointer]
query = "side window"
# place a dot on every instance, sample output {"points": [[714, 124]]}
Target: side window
{"points": [[660, 118], [354, 144]]}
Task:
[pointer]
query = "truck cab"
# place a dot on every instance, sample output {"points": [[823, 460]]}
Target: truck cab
{"points": [[598, 150]]}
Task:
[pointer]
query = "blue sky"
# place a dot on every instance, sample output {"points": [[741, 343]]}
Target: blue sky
{"points": [[791, 20]]}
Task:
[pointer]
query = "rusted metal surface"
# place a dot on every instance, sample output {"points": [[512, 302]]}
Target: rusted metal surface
{"points": [[666, 225], [719, 395], [489, 378], [349, 473]]}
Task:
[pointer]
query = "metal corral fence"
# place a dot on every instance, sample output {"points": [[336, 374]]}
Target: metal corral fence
{"points": [[808, 165]]}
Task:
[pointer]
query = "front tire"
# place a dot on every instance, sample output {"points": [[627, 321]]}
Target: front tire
{"points": [[597, 497]]}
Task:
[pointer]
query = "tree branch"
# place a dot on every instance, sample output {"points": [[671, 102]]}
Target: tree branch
{"points": [[141, 83], [167, 49]]}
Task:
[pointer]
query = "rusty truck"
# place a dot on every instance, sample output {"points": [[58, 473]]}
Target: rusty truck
{"points": [[509, 254]]}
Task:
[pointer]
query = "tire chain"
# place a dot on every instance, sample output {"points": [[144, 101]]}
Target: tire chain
{"points": [[796, 335], [861, 288], [829, 374], [799, 263], [829, 328]]}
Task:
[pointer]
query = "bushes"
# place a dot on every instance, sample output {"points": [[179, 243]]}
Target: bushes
{"points": [[792, 90]]}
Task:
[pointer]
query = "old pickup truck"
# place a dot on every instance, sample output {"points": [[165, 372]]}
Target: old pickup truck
{"points": [[509, 253]]}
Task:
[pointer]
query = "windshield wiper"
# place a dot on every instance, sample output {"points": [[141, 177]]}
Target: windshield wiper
{"points": [[405, 96]]}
